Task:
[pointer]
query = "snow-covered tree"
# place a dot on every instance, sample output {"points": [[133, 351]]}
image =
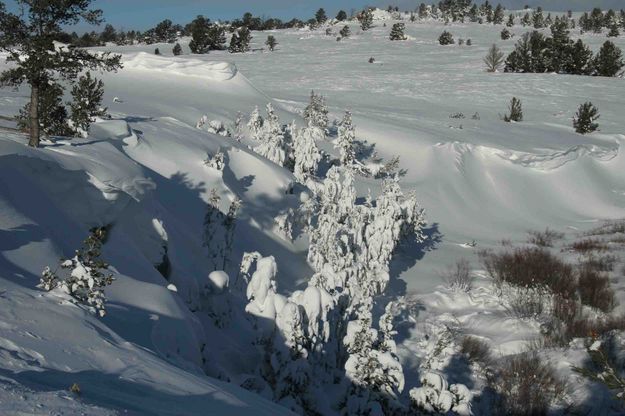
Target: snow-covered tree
{"points": [[272, 141], [85, 275], [306, 153], [435, 396], [366, 19], [216, 162], [316, 113], [585, 118], [255, 122], [345, 140], [397, 32], [240, 41]]}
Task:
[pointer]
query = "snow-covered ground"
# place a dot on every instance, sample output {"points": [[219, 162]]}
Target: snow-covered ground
{"points": [[480, 180]]}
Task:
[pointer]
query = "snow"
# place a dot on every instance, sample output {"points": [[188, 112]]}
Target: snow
{"points": [[143, 171]]}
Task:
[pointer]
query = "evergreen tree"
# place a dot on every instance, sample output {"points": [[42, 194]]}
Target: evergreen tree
{"points": [[109, 34], [585, 118], [516, 111], [527, 20], [255, 123], [538, 20], [272, 141], [177, 51], [424, 12], [200, 42], [614, 32], [157, 51], [506, 34], [216, 37], [28, 40], [366, 19], [581, 61], [498, 15], [271, 42], [510, 22], [345, 141], [609, 60], [306, 153], [240, 41], [560, 46], [86, 102], [320, 16], [52, 112], [316, 112], [397, 32], [341, 16], [229, 224], [345, 32], [446, 38], [494, 59]]}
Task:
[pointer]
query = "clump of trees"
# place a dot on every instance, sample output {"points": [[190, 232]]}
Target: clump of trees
{"points": [[366, 19], [28, 40], [206, 36], [240, 41], [535, 52]]}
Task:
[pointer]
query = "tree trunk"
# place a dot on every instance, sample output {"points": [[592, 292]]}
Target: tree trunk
{"points": [[34, 116]]}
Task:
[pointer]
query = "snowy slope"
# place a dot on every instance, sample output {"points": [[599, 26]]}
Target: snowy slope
{"points": [[479, 180]]}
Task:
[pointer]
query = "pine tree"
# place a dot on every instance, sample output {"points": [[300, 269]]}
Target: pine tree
{"points": [[366, 19], [609, 60], [397, 32], [498, 15], [28, 40], [345, 141], [527, 20], [177, 51], [341, 16], [320, 16], [271, 42], [229, 223], [424, 13], [446, 38], [516, 111], [306, 153], [316, 112], [585, 118], [510, 22], [581, 62], [216, 37], [614, 32], [213, 220], [52, 113], [345, 32], [157, 51], [240, 41], [200, 41], [494, 59], [255, 123], [538, 20], [87, 96], [272, 141], [506, 34]]}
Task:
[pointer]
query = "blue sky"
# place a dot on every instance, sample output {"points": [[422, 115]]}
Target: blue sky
{"points": [[142, 14]]}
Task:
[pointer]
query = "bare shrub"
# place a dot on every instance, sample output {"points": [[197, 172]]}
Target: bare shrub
{"points": [[526, 303], [524, 385], [610, 227], [458, 277], [476, 350], [587, 245], [600, 264], [595, 290], [588, 327], [544, 238], [531, 268]]}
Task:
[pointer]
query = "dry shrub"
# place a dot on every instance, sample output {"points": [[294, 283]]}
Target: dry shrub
{"points": [[531, 268], [476, 350], [587, 245], [588, 327], [610, 227], [595, 290], [524, 385], [544, 238], [526, 303], [600, 264], [458, 277]]}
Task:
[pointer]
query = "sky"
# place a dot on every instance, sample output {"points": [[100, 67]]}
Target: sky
{"points": [[143, 14]]}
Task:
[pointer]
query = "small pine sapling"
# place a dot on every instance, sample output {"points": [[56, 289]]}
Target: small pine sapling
{"points": [[271, 42], [516, 111], [397, 32], [585, 118], [177, 51], [87, 96], [494, 59], [446, 38]]}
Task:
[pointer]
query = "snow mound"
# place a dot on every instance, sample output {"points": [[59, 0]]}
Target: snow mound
{"points": [[215, 71]]}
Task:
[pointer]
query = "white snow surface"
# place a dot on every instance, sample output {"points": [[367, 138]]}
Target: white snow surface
{"points": [[143, 171]]}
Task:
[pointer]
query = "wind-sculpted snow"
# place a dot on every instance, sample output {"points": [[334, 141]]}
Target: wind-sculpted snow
{"points": [[214, 71]]}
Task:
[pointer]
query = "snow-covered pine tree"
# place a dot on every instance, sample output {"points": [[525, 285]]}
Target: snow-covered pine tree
{"points": [[366, 19], [516, 111], [345, 141], [86, 274], [498, 15], [446, 38], [255, 123], [608, 61], [306, 153], [397, 32], [316, 112], [345, 32], [177, 50], [510, 22], [271, 42], [240, 41], [272, 142], [86, 102]]}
